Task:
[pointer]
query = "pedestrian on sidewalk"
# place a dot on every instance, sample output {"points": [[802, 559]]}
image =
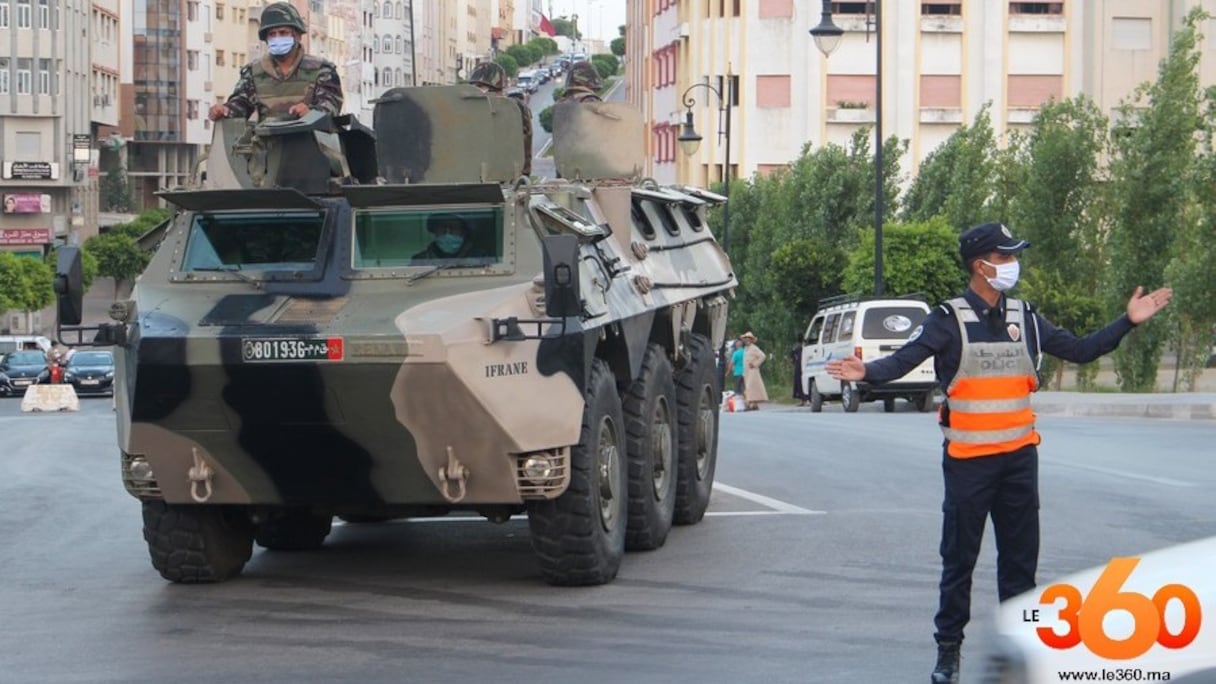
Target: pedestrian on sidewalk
{"points": [[987, 348], [736, 365], [753, 384]]}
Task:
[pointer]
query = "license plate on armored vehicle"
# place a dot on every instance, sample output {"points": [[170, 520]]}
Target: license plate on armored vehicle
{"points": [[270, 349]]}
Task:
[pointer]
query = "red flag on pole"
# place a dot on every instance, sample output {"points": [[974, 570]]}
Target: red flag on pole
{"points": [[540, 24]]}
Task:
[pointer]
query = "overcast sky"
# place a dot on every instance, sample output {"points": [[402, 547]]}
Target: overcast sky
{"points": [[604, 15]]}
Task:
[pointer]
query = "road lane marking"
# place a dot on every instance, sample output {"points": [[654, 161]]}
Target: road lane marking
{"points": [[763, 500], [1123, 473]]}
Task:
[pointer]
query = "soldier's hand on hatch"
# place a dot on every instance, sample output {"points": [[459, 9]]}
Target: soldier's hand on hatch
{"points": [[847, 368], [299, 109], [218, 112], [1142, 307]]}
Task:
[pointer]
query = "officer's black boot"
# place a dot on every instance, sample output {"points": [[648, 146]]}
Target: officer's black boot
{"points": [[946, 671]]}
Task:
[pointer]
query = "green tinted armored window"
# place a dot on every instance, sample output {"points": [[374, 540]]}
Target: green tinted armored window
{"points": [[396, 238], [261, 241]]}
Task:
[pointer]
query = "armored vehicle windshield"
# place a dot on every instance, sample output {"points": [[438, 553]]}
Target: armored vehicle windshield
{"points": [[457, 236], [254, 241]]}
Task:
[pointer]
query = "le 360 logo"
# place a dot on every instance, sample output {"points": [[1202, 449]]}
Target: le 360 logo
{"points": [[1084, 615]]}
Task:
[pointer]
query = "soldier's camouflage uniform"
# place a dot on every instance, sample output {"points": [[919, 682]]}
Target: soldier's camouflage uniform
{"points": [[313, 81], [493, 77], [582, 83]]}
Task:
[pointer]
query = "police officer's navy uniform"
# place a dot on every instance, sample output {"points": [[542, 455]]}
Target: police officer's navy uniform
{"points": [[987, 360]]}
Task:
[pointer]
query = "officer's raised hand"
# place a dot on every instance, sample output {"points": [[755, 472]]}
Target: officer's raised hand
{"points": [[1142, 307], [299, 109], [847, 368], [218, 112]]}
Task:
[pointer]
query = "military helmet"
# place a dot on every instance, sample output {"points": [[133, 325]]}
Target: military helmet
{"points": [[490, 75], [279, 14], [584, 75]]}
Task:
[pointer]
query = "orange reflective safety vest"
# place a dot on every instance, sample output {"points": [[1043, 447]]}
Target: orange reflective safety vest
{"points": [[989, 397]]}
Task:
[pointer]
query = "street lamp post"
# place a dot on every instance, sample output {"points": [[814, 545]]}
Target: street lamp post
{"points": [[689, 141], [827, 37]]}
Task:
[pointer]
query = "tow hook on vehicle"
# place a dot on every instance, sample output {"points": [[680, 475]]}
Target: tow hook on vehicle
{"points": [[201, 473], [454, 471]]}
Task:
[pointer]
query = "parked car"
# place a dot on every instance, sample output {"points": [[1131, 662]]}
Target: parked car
{"points": [[869, 328], [91, 372], [22, 369], [1018, 654]]}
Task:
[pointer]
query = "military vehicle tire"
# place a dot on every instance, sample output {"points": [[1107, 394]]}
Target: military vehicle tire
{"points": [[579, 537], [850, 397], [293, 531], [816, 398], [651, 441], [697, 406], [197, 544]]}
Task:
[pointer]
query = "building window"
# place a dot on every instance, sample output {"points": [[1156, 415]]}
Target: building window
{"points": [[400, 11], [23, 13], [219, 58], [44, 14], [3, 75], [24, 77], [192, 60], [3, 13], [388, 10], [399, 78], [734, 89], [44, 77], [191, 109], [952, 9], [1036, 8], [387, 78], [388, 43], [852, 8], [398, 44], [219, 10], [192, 11]]}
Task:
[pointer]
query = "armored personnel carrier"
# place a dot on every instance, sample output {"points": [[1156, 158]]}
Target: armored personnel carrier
{"points": [[372, 327]]}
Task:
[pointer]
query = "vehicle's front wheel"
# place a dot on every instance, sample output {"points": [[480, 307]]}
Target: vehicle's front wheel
{"points": [[294, 531], [816, 398], [650, 429], [697, 409], [579, 537], [850, 397], [197, 544]]}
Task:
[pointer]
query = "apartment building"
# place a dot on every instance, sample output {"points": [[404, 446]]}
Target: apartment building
{"points": [[942, 61], [392, 45], [437, 46]]}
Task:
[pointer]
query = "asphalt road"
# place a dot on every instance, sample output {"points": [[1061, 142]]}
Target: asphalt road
{"points": [[817, 563]]}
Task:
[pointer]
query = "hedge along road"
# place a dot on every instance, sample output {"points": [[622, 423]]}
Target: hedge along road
{"points": [[817, 563]]}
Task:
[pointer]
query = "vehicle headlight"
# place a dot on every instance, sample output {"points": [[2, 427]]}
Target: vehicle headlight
{"points": [[539, 468], [140, 470], [110, 374]]}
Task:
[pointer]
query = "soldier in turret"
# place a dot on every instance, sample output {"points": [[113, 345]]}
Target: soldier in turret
{"points": [[285, 83], [583, 83], [490, 78]]}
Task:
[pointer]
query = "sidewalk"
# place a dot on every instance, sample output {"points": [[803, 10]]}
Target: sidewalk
{"points": [[1180, 406]]}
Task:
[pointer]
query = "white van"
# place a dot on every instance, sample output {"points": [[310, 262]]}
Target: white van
{"points": [[869, 328], [12, 343]]}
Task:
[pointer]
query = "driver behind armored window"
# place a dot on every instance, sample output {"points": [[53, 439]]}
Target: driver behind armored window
{"points": [[285, 83], [453, 239]]}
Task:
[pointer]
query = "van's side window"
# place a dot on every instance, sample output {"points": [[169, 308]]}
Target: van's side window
{"points": [[846, 326], [829, 328], [812, 333]]}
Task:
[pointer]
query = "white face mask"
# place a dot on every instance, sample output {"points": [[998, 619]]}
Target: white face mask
{"points": [[280, 45], [1006, 276]]}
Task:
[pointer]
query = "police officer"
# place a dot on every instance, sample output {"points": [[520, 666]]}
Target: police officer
{"points": [[583, 83], [986, 348], [490, 78], [286, 83]]}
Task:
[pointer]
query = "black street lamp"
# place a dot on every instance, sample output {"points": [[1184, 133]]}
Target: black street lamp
{"points": [[827, 37], [690, 141]]}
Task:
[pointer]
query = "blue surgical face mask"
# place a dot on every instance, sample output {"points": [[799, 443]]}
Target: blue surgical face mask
{"points": [[280, 45], [449, 243]]}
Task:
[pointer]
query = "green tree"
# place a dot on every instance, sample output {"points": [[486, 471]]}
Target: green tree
{"points": [[1151, 170], [958, 178], [563, 26], [114, 190], [618, 47], [508, 64], [606, 65], [118, 257], [546, 46], [25, 283], [88, 266], [546, 119], [1055, 205], [917, 257], [522, 54]]}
